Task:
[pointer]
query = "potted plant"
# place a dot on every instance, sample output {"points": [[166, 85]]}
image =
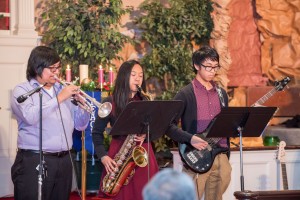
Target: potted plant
{"points": [[83, 32]]}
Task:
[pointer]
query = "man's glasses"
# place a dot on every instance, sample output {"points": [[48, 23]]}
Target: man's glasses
{"points": [[53, 69], [210, 68]]}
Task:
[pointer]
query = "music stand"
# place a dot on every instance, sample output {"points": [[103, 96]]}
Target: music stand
{"points": [[151, 117], [239, 121]]}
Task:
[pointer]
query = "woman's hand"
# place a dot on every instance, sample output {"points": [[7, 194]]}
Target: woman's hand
{"points": [[109, 164], [198, 143], [139, 137]]}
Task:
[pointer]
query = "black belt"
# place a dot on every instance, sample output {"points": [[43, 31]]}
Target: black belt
{"points": [[45, 153]]}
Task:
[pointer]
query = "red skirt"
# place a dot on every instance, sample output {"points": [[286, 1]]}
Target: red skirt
{"points": [[132, 191]]}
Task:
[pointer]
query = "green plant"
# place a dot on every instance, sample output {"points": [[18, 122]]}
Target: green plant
{"points": [[171, 31], [107, 140], [83, 31]]}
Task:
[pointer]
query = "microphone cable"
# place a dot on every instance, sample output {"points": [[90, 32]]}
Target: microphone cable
{"points": [[72, 161]]}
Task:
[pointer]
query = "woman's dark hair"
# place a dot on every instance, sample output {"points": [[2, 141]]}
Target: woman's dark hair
{"points": [[122, 92], [40, 58], [202, 54]]}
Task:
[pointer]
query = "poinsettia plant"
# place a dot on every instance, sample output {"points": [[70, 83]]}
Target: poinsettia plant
{"points": [[90, 85]]}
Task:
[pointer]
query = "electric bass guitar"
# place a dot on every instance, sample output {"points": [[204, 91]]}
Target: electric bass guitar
{"points": [[201, 161], [281, 159]]}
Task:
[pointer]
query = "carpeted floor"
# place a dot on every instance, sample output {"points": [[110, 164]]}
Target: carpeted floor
{"points": [[74, 196]]}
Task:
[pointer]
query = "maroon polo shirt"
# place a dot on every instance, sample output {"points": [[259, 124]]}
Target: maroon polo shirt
{"points": [[208, 106]]}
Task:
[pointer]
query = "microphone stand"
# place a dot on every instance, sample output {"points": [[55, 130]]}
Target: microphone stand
{"points": [[147, 124], [41, 169]]}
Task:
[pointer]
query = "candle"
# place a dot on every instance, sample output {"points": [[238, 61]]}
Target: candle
{"points": [[83, 72], [68, 74], [111, 76], [100, 76]]}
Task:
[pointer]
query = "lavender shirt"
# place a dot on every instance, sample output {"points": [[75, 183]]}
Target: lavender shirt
{"points": [[28, 118]]}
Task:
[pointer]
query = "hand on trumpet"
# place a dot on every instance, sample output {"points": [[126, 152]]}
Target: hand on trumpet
{"points": [[67, 92], [80, 99]]}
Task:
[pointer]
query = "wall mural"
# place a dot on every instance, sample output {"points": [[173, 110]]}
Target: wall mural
{"points": [[279, 26]]}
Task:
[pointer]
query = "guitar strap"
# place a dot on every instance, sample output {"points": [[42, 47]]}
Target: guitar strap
{"points": [[222, 102], [223, 105], [221, 97]]}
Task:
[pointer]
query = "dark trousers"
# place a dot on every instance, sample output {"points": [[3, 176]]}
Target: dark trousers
{"points": [[56, 185]]}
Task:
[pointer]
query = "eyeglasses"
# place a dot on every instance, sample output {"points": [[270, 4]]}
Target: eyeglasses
{"points": [[210, 68], [53, 69]]}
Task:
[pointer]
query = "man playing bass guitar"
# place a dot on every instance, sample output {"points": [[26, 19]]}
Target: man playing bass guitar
{"points": [[203, 100]]}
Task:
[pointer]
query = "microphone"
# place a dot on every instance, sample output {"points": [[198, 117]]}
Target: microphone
{"points": [[23, 97]]}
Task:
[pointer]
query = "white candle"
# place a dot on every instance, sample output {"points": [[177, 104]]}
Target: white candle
{"points": [[83, 72], [111, 76]]}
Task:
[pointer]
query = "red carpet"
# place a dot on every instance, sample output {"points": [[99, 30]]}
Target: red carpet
{"points": [[74, 196]]}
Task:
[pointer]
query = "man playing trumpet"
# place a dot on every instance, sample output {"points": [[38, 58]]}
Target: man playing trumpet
{"points": [[59, 118]]}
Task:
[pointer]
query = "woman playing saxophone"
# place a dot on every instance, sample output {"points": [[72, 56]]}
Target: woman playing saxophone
{"points": [[130, 75]]}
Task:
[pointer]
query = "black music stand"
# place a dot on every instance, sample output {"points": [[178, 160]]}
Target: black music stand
{"points": [[239, 121], [137, 115], [151, 117]]}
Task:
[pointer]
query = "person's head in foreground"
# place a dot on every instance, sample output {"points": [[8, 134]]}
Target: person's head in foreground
{"points": [[169, 184]]}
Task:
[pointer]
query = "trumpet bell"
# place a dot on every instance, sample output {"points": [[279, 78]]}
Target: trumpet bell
{"points": [[104, 109]]}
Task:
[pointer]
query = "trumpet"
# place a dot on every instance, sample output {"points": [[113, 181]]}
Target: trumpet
{"points": [[103, 109]]}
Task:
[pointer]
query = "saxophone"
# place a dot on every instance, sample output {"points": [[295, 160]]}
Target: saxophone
{"points": [[129, 156]]}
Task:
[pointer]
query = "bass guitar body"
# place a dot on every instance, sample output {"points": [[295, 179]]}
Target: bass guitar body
{"points": [[200, 161]]}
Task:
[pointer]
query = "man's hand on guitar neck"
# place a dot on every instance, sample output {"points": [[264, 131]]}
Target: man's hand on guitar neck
{"points": [[198, 143]]}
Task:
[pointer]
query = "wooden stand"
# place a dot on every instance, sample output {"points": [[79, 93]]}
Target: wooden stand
{"points": [[268, 195]]}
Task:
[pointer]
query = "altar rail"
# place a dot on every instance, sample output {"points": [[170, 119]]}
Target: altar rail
{"points": [[268, 195], [261, 169]]}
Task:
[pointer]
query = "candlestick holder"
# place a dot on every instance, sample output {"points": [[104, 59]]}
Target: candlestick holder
{"points": [[105, 88]]}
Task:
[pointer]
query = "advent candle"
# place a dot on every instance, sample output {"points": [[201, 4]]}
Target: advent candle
{"points": [[68, 74], [83, 72], [100, 76], [111, 76]]}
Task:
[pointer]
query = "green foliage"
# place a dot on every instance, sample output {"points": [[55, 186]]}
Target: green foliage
{"points": [[160, 144], [84, 32], [175, 61], [107, 140], [170, 31]]}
